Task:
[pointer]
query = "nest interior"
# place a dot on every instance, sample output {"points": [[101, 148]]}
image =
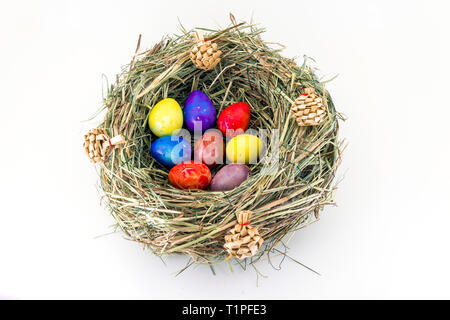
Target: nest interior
{"points": [[284, 198]]}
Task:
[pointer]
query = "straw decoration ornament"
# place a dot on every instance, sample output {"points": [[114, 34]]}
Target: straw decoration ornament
{"points": [[243, 241], [97, 144], [308, 109], [205, 54]]}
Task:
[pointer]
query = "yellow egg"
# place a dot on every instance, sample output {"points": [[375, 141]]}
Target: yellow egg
{"points": [[165, 117], [244, 148]]}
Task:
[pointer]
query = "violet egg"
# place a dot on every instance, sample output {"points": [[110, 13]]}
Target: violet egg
{"points": [[230, 177], [199, 112]]}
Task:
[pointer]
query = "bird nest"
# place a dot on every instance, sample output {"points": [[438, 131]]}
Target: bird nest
{"points": [[285, 191]]}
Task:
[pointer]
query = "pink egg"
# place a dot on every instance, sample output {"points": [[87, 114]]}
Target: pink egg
{"points": [[209, 149]]}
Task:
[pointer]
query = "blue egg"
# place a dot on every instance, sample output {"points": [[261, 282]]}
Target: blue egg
{"points": [[199, 108], [171, 150]]}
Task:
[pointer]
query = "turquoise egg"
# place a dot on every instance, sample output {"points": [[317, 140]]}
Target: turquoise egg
{"points": [[171, 150], [199, 110]]}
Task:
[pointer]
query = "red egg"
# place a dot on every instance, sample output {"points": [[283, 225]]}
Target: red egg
{"points": [[235, 117], [190, 175], [209, 149]]}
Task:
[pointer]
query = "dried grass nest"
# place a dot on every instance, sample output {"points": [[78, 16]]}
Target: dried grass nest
{"points": [[171, 221]]}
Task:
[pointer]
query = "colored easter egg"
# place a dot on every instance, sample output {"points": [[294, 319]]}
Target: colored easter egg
{"points": [[171, 150], [235, 119], [210, 148], [190, 175], [165, 117], [230, 177], [199, 112], [244, 148]]}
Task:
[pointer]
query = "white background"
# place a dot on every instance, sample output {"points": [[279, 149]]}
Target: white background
{"points": [[388, 238]]}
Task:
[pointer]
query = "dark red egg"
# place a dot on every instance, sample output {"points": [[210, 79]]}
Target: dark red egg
{"points": [[209, 149], [190, 175], [235, 119]]}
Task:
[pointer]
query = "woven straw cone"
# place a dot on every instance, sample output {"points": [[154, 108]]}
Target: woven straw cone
{"points": [[205, 54], [243, 241], [308, 109], [97, 144]]}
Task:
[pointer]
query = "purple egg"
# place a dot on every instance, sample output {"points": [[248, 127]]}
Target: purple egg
{"points": [[199, 111], [230, 177]]}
